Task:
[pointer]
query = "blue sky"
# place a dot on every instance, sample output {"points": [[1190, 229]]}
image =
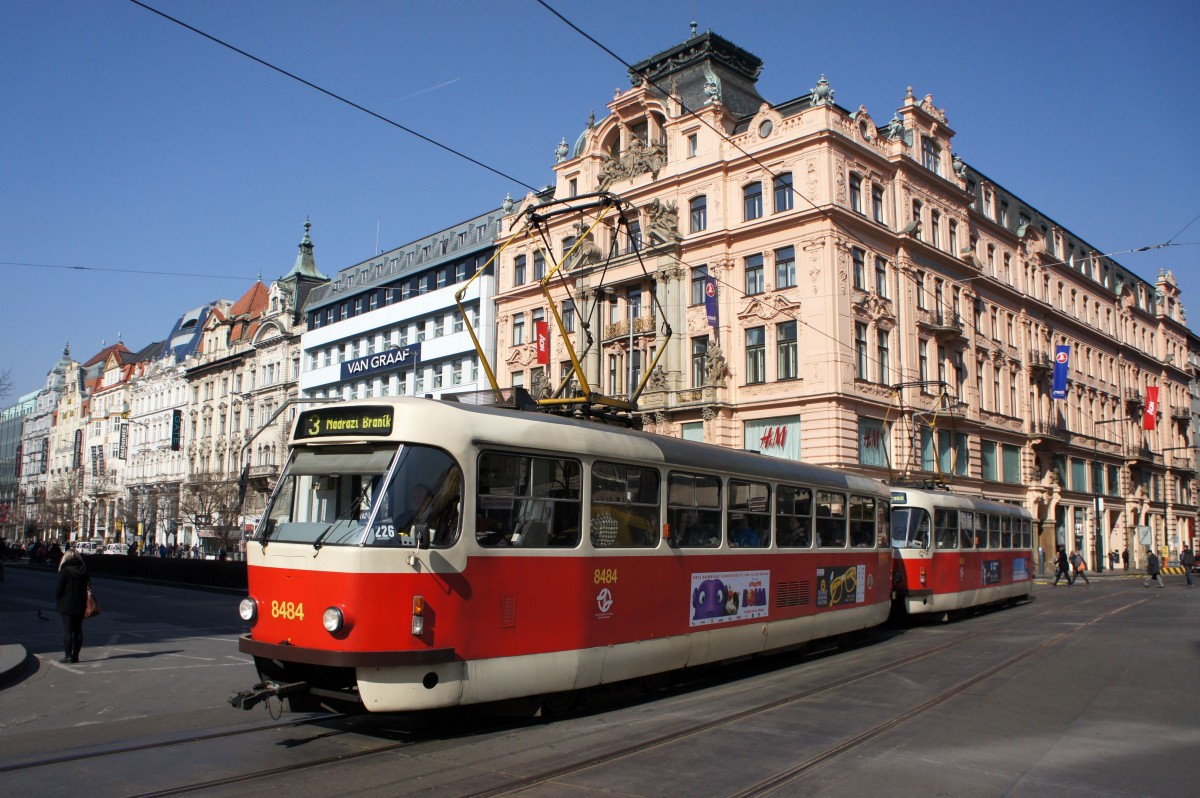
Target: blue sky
{"points": [[130, 143]]}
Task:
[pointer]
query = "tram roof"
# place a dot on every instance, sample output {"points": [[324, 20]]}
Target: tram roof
{"points": [[959, 502], [558, 434]]}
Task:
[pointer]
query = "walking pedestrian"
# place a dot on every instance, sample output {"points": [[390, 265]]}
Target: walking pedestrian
{"points": [[71, 593], [1079, 567], [1187, 559], [1125, 557], [1061, 568], [1153, 571]]}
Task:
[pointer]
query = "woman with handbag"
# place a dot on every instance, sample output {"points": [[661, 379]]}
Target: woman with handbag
{"points": [[72, 591]]}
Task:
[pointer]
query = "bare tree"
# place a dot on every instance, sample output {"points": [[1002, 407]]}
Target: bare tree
{"points": [[6, 383], [211, 499]]}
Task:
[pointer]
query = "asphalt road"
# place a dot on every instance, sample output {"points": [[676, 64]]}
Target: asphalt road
{"points": [[1087, 690]]}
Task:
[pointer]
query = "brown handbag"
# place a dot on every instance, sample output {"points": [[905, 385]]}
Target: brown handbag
{"points": [[93, 606]]}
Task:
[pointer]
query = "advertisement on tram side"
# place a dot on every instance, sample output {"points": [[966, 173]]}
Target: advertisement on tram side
{"points": [[730, 596], [840, 585]]}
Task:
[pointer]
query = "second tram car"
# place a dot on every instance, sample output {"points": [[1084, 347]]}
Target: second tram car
{"points": [[423, 553], [956, 552]]}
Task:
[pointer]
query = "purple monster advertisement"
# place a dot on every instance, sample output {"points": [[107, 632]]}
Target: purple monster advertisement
{"points": [[733, 596]]}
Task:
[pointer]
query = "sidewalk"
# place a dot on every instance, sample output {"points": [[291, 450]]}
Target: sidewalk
{"points": [[12, 659]]}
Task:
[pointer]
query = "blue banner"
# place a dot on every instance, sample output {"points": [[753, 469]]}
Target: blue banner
{"points": [[1062, 361], [710, 301], [384, 361]]}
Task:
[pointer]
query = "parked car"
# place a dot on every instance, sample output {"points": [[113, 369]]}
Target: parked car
{"points": [[89, 546], [116, 548]]}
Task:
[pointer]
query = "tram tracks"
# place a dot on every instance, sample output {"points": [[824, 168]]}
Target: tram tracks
{"points": [[786, 777], [528, 783]]}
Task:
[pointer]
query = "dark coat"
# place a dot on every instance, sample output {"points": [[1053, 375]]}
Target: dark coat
{"points": [[72, 588], [1152, 566]]}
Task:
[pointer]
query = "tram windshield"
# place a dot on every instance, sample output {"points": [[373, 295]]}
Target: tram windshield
{"points": [[373, 495], [910, 528]]}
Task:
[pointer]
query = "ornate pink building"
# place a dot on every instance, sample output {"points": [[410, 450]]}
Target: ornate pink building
{"points": [[882, 305]]}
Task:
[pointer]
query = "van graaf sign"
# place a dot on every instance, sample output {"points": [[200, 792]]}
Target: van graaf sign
{"points": [[384, 361]]}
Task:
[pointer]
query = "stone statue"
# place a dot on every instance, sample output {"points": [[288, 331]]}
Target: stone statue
{"points": [[716, 370], [960, 168], [560, 152], [664, 223], [712, 87], [895, 128], [507, 205], [610, 170], [657, 380], [587, 253]]}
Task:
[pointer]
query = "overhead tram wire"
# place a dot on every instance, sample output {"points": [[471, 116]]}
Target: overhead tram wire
{"points": [[150, 272], [335, 96]]}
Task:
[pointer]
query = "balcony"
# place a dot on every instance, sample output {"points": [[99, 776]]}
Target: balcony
{"points": [[1050, 432], [1143, 455], [1040, 361], [941, 324]]}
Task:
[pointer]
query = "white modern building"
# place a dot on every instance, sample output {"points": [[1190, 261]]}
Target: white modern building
{"points": [[390, 325]]}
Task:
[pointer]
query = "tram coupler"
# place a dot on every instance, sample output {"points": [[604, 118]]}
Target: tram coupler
{"points": [[246, 699]]}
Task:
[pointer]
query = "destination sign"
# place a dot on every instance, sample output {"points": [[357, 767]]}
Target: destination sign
{"points": [[899, 497], [383, 361], [350, 421]]}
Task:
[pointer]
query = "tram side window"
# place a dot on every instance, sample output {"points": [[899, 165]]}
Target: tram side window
{"points": [[532, 502], [993, 531], [694, 509], [862, 522], [966, 529], [1006, 541], [1026, 534], [945, 529], [748, 519], [624, 506], [831, 520], [793, 517]]}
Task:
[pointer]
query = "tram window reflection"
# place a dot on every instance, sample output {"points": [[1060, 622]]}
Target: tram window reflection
{"points": [[910, 528], [749, 517], [993, 531], [625, 506], [831, 520], [1006, 541], [531, 502], [862, 522], [945, 528], [422, 499], [793, 517], [694, 510], [966, 529], [883, 525]]}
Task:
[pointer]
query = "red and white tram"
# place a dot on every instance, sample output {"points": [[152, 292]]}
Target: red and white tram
{"points": [[956, 552], [420, 553]]}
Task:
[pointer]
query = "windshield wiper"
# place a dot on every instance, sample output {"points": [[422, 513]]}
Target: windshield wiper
{"points": [[317, 544]]}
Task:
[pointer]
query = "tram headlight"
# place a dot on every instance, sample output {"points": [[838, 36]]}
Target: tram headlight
{"points": [[248, 610], [333, 620]]}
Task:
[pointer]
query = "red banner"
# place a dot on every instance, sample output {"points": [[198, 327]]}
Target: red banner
{"points": [[541, 334], [1151, 414]]}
